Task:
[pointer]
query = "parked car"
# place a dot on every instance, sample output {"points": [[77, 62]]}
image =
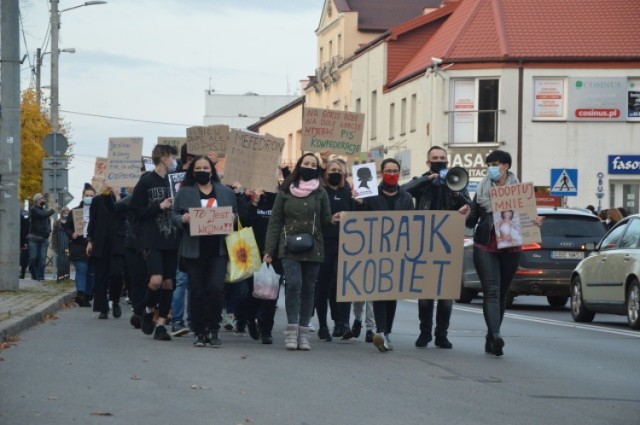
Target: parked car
{"points": [[568, 235], [608, 280]]}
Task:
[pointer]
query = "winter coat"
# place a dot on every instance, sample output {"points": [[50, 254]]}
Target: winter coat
{"points": [[189, 197], [293, 215], [421, 188], [40, 222]]}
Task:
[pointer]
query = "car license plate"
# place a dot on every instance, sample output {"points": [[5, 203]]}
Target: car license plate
{"points": [[567, 255]]}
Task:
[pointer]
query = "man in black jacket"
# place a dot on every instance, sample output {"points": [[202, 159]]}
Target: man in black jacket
{"points": [[39, 231], [431, 193]]}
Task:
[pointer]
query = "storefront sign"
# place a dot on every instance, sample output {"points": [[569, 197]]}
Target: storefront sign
{"points": [[624, 164]]}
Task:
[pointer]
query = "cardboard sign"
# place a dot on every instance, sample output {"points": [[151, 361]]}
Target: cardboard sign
{"points": [[147, 163], [390, 255], [177, 142], [210, 221], [123, 161], [78, 221], [213, 138], [326, 129], [99, 173], [175, 182], [514, 209], [253, 160], [365, 180]]}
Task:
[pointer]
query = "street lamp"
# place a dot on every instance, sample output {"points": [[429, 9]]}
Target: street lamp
{"points": [[39, 57], [55, 28]]}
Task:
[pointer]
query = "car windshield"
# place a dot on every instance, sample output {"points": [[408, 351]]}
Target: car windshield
{"points": [[572, 227]]}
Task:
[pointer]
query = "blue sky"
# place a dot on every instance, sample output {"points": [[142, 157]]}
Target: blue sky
{"points": [[153, 60]]}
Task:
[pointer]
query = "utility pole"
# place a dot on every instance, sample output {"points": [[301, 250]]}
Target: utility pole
{"points": [[38, 68], [9, 144]]}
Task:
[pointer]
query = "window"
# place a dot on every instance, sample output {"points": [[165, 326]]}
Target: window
{"points": [[392, 120], [339, 48], [403, 117], [321, 57], [373, 114], [612, 240], [632, 235], [330, 49], [414, 111], [474, 110]]}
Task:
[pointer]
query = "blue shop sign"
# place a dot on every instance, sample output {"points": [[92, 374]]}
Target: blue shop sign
{"points": [[624, 164]]}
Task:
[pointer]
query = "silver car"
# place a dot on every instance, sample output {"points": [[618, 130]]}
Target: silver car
{"points": [[607, 281]]}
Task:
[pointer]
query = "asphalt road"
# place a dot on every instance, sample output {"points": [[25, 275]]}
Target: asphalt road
{"points": [[78, 369]]}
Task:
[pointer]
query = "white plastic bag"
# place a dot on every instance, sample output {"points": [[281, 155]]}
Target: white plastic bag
{"points": [[266, 283]]}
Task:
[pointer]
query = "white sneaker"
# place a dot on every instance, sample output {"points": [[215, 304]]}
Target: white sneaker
{"points": [[228, 322], [311, 328]]}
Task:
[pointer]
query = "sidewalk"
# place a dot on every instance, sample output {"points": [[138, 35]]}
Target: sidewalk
{"points": [[30, 303]]}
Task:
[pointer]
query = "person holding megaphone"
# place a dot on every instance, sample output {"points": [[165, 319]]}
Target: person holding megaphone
{"points": [[438, 189]]}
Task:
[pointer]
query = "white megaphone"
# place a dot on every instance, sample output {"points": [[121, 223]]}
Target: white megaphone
{"points": [[456, 179]]}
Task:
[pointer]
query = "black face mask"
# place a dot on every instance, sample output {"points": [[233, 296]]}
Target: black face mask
{"points": [[436, 167], [307, 174], [202, 177], [334, 179]]}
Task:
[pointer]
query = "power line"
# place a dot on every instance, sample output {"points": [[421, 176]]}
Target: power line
{"points": [[127, 119]]}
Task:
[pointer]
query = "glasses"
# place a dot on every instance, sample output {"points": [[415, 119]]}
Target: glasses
{"points": [[390, 171]]}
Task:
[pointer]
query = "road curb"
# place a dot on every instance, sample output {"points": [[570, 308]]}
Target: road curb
{"points": [[14, 326]]}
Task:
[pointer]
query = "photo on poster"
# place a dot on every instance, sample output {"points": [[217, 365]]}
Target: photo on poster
{"points": [[175, 182], [508, 229], [365, 180]]}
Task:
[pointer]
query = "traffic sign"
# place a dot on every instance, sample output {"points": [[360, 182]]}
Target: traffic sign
{"points": [[564, 182], [64, 198], [55, 144], [55, 163], [54, 181]]}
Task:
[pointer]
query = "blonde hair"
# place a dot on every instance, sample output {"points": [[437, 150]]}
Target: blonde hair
{"points": [[614, 215], [325, 176]]}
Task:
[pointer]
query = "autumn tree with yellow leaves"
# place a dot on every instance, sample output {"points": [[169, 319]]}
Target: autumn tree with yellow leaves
{"points": [[34, 127]]}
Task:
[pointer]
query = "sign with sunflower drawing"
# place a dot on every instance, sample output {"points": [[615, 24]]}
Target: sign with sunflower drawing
{"points": [[244, 256]]}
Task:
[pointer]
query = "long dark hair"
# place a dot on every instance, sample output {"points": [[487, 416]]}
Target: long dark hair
{"points": [[294, 177], [190, 180]]}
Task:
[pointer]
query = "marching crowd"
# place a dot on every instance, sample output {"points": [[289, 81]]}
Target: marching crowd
{"points": [[141, 243]]}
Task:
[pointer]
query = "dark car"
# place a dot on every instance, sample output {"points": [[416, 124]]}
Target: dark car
{"points": [[568, 236]]}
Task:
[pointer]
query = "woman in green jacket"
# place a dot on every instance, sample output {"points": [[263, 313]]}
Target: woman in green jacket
{"points": [[301, 207]]}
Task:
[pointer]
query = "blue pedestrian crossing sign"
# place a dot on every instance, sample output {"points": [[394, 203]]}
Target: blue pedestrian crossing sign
{"points": [[564, 182]]}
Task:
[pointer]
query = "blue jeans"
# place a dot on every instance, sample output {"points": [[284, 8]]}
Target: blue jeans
{"points": [[496, 271], [177, 304], [300, 278], [38, 257], [82, 269]]}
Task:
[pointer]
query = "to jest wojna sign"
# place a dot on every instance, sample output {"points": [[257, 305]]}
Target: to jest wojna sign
{"points": [[389, 255]]}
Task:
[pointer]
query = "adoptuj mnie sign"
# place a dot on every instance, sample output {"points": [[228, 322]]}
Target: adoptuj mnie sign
{"points": [[390, 255]]}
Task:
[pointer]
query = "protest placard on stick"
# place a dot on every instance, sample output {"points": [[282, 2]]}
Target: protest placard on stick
{"points": [[123, 161], [176, 142], [338, 131], [253, 160], [212, 138], [514, 209], [78, 220], [390, 255], [210, 221]]}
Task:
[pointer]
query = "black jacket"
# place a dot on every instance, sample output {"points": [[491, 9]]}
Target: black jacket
{"points": [[339, 200], [77, 246], [421, 188], [107, 226], [482, 220], [402, 202], [40, 222]]}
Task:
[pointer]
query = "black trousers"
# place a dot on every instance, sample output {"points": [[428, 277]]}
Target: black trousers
{"points": [[384, 312], [326, 290], [109, 277], [206, 291], [136, 267]]}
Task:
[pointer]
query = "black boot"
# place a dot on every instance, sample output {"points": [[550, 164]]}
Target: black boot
{"points": [[497, 344]]}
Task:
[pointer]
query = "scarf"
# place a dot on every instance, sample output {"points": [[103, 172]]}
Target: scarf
{"points": [[85, 220], [483, 192], [304, 188]]}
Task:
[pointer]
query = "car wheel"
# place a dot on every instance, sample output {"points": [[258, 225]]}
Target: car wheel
{"points": [[510, 298], [557, 301], [466, 295], [633, 305], [579, 312]]}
